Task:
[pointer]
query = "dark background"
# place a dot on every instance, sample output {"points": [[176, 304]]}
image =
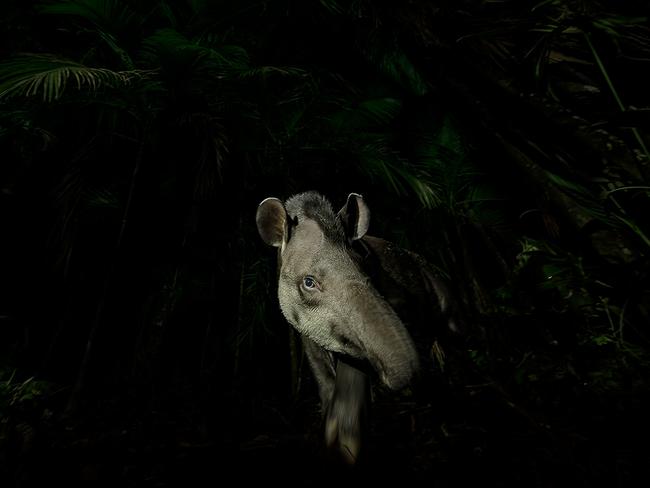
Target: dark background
{"points": [[141, 343]]}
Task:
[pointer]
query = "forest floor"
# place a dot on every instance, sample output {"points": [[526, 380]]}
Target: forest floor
{"points": [[485, 441]]}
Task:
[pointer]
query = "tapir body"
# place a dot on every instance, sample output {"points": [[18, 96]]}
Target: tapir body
{"points": [[341, 289]]}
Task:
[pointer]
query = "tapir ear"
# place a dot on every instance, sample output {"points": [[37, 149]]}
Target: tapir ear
{"points": [[355, 217], [272, 221]]}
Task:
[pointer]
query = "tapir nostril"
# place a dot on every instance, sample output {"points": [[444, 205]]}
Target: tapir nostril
{"points": [[344, 341]]}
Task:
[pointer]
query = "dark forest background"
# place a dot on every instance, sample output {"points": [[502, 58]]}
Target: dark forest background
{"points": [[141, 343]]}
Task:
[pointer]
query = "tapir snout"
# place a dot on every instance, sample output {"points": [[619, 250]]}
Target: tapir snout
{"points": [[381, 336]]}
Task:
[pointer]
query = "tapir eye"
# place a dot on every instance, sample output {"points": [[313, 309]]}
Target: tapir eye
{"points": [[310, 282]]}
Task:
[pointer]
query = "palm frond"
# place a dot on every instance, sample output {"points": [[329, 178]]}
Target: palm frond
{"points": [[218, 61], [394, 63], [162, 43], [115, 15], [441, 155], [381, 110], [366, 114], [110, 20], [102, 198], [583, 197], [212, 143], [617, 26], [382, 163], [204, 65], [332, 6], [265, 71], [49, 76]]}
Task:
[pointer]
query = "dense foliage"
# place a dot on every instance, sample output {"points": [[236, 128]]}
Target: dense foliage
{"points": [[505, 141]]}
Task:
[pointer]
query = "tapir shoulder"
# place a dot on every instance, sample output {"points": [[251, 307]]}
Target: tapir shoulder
{"points": [[399, 273], [408, 269]]}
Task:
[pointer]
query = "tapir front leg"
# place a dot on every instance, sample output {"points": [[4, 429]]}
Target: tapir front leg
{"points": [[345, 399], [323, 366], [347, 415]]}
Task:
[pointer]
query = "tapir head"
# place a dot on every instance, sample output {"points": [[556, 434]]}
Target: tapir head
{"points": [[323, 292]]}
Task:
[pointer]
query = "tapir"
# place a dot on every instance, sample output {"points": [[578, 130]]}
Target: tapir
{"points": [[341, 290]]}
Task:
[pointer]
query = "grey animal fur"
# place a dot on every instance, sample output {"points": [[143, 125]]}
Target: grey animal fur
{"points": [[345, 316]]}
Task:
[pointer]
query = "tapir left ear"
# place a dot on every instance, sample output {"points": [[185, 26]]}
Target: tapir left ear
{"points": [[355, 217], [272, 221]]}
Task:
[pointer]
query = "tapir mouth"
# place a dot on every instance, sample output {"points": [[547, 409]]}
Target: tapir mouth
{"points": [[395, 380], [395, 376], [362, 364]]}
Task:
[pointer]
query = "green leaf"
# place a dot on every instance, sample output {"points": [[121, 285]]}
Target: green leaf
{"points": [[365, 115], [174, 51], [49, 77], [110, 20], [396, 65], [397, 175], [602, 340]]}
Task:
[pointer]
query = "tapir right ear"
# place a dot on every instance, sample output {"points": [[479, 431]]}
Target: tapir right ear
{"points": [[272, 221], [355, 217]]}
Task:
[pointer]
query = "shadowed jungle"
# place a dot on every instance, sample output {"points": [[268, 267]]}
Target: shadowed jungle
{"points": [[141, 340]]}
